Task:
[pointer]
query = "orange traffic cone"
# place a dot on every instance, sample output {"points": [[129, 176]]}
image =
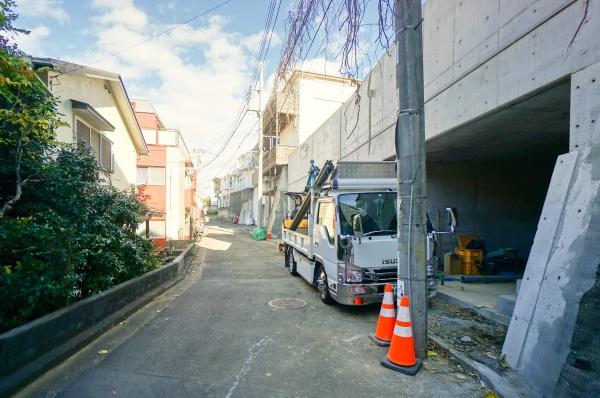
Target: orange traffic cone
{"points": [[401, 355], [387, 317]]}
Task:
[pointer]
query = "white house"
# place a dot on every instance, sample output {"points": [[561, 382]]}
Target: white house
{"points": [[97, 110]]}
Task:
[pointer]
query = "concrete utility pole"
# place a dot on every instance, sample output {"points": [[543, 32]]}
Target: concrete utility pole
{"points": [[259, 215], [410, 152]]}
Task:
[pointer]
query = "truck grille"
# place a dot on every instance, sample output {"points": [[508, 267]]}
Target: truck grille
{"points": [[380, 275]]}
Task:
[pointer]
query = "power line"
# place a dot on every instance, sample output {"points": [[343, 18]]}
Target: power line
{"points": [[260, 57]]}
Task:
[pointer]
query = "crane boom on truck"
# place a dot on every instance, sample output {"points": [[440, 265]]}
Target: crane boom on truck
{"points": [[347, 247]]}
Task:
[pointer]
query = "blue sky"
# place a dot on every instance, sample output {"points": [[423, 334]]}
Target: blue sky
{"points": [[197, 75]]}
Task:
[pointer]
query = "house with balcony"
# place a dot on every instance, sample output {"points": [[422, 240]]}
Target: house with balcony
{"points": [[236, 191], [166, 179], [291, 115], [97, 113]]}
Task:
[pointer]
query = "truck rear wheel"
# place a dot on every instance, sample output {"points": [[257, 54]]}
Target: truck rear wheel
{"points": [[290, 263], [322, 286]]}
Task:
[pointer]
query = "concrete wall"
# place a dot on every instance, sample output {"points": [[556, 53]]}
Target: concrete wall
{"points": [[94, 92], [236, 199], [492, 52]]}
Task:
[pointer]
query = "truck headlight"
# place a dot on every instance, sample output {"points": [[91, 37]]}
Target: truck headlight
{"points": [[349, 273]]}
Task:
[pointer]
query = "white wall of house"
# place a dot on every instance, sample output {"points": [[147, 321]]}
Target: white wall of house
{"points": [[319, 99], [175, 201], [96, 93]]}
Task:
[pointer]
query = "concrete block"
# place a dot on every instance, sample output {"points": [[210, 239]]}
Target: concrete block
{"points": [[505, 304]]}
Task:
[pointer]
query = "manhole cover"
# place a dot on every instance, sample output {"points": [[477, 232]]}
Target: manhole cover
{"points": [[287, 303]]}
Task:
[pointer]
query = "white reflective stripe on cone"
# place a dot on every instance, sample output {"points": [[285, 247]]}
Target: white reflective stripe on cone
{"points": [[388, 298], [404, 314], [387, 312], [403, 331]]}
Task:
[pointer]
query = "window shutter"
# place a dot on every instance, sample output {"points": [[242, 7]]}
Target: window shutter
{"points": [[106, 153], [95, 144], [142, 175], [83, 133], [156, 176]]}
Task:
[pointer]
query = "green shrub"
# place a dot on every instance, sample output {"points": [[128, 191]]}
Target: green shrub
{"points": [[65, 232]]}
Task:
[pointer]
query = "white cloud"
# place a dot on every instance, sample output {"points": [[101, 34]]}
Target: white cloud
{"points": [[201, 98], [120, 12], [43, 9], [32, 43]]}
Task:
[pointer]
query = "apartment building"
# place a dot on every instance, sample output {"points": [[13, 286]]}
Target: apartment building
{"points": [[166, 179], [306, 100]]}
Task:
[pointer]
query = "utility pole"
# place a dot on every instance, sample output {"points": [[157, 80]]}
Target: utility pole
{"points": [[410, 153], [259, 212]]}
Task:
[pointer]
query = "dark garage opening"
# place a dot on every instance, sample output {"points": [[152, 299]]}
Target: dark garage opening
{"points": [[495, 172]]}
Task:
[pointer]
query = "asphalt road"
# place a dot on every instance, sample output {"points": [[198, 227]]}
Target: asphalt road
{"points": [[214, 334]]}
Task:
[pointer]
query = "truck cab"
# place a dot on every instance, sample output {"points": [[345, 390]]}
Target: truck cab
{"points": [[348, 248]]}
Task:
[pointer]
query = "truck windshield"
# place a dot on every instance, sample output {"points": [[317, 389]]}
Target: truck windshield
{"points": [[377, 211]]}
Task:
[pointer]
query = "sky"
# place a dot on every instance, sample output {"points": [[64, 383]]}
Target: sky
{"points": [[196, 75]]}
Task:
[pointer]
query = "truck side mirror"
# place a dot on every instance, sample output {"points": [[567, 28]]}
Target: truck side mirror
{"points": [[451, 218], [357, 227]]}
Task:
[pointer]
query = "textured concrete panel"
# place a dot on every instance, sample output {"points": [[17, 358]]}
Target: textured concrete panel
{"points": [[585, 107], [540, 253], [542, 55], [476, 22], [562, 267], [438, 39], [517, 17]]}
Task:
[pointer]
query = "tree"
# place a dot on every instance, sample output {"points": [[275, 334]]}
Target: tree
{"points": [[66, 233], [27, 118]]}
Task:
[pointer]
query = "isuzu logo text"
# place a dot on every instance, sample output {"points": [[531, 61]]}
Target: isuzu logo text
{"points": [[389, 261]]}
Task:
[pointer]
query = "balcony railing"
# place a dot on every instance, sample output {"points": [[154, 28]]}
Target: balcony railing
{"points": [[277, 156]]}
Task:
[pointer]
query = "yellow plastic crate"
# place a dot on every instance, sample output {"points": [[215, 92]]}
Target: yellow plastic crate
{"points": [[469, 258]]}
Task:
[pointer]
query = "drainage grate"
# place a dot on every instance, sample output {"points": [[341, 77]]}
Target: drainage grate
{"points": [[287, 303]]}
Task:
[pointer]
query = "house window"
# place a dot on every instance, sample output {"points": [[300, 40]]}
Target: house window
{"points": [[157, 229], [151, 175], [100, 146]]}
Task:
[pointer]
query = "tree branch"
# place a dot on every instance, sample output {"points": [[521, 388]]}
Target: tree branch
{"points": [[19, 181]]}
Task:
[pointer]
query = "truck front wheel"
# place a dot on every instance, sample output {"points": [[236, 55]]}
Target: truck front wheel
{"points": [[322, 286]]}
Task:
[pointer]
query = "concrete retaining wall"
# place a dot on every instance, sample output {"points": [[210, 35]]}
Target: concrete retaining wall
{"points": [[30, 349], [561, 269]]}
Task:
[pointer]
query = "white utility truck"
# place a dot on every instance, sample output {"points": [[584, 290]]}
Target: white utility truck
{"points": [[342, 238]]}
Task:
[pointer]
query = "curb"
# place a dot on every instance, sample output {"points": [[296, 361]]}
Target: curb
{"points": [[19, 376], [509, 384], [484, 312]]}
